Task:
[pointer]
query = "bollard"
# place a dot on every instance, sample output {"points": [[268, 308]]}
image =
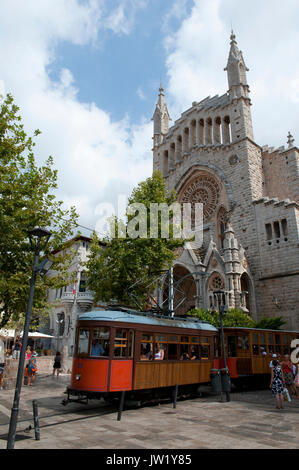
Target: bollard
{"points": [[121, 405], [35, 420], [175, 395]]}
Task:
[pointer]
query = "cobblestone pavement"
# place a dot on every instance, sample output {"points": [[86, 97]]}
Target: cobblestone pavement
{"points": [[249, 421]]}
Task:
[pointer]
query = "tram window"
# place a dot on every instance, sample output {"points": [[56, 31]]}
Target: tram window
{"points": [[146, 337], [160, 350], [194, 353], [100, 342], [83, 340], [146, 351], [184, 352], [173, 339], [231, 346], [172, 352], [120, 343], [185, 339], [204, 339], [195, 339], [243, 342], [277, 339], [262, 338], [285, 340], [205, 351], [270, 344], [255, 346], [263, 349], [161, 338]]}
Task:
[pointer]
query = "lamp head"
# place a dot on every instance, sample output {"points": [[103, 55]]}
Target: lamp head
{"points": [[39, 237]]}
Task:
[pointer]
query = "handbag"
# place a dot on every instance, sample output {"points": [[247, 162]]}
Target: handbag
{"points": [[287, 395]]}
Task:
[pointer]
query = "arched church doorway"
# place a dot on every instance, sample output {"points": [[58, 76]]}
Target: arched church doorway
{"points": [[184, 290]]}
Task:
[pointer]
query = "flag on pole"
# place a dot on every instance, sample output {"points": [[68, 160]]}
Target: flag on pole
{"points": [[74, 287]]}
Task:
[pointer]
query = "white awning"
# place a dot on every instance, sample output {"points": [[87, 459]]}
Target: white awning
{"points": [[6, 333], [36, 334]]}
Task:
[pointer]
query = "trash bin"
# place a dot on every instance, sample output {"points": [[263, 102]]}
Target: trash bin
{"points": [[215, 380], [225, 380]]}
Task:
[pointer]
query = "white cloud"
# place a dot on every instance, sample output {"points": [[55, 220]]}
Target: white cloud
{"points": [[89, 149], [121, 20]]}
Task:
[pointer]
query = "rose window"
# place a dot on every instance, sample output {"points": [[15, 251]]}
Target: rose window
{"points": [[203, 189]]}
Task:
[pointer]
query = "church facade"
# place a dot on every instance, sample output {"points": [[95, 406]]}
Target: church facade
{"points": [[250, 197]]}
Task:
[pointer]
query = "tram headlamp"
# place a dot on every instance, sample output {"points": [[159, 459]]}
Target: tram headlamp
{"points": [[78, 376]]}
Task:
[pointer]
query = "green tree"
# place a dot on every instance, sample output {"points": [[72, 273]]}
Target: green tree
{"points": [[232, 318], [137, 261], [27, 201], [270, 323]]}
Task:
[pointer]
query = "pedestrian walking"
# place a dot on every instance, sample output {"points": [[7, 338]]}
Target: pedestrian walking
{"points": [[32, 368], [287, 368], [17, 346], [28, 353], [277, 383], [57, 364]]}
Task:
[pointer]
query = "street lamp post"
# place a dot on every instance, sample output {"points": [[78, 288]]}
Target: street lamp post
{"points": [[38, 238], [222, 310]]}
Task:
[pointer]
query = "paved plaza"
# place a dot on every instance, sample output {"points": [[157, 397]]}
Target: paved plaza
{"points": [[248, 421]]}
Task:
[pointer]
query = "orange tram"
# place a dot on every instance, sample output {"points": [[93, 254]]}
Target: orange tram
{"points": [[147, 355]]}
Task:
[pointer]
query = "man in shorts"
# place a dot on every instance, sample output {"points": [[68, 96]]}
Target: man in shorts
{"points": [[2, 362]]}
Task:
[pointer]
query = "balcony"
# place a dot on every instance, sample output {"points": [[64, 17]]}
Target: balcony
{"points": [[85, 300], [67, 298]]}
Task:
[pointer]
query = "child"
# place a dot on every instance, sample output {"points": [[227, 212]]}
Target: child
{"points": [[31, 369]]}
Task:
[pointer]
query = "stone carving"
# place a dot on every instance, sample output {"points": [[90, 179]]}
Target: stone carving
{"points": [[234, 159]]}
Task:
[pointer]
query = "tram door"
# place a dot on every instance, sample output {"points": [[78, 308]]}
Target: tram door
{"points": [[121, 364]]}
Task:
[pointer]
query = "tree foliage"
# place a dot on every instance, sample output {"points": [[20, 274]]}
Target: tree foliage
{"points": [[27, 201], [232, 318], [237, 318], [127, 268], [270, 323]]}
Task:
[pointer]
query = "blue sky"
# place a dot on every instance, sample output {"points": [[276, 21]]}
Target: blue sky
{"points": [[87, 74], [122, 72]]}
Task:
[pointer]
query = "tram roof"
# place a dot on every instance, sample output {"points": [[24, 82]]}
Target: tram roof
{"points": [[146, 319]]}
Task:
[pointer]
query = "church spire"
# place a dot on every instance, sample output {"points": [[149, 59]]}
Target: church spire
{"points": [[236, 70], [161, 118]]}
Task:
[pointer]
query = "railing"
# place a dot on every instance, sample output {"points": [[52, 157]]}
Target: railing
{"points": [[67, 297], [85, 299]]}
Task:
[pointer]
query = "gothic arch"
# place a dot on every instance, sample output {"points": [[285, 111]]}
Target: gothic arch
{"points": [[247, 293], [185, 291]]}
